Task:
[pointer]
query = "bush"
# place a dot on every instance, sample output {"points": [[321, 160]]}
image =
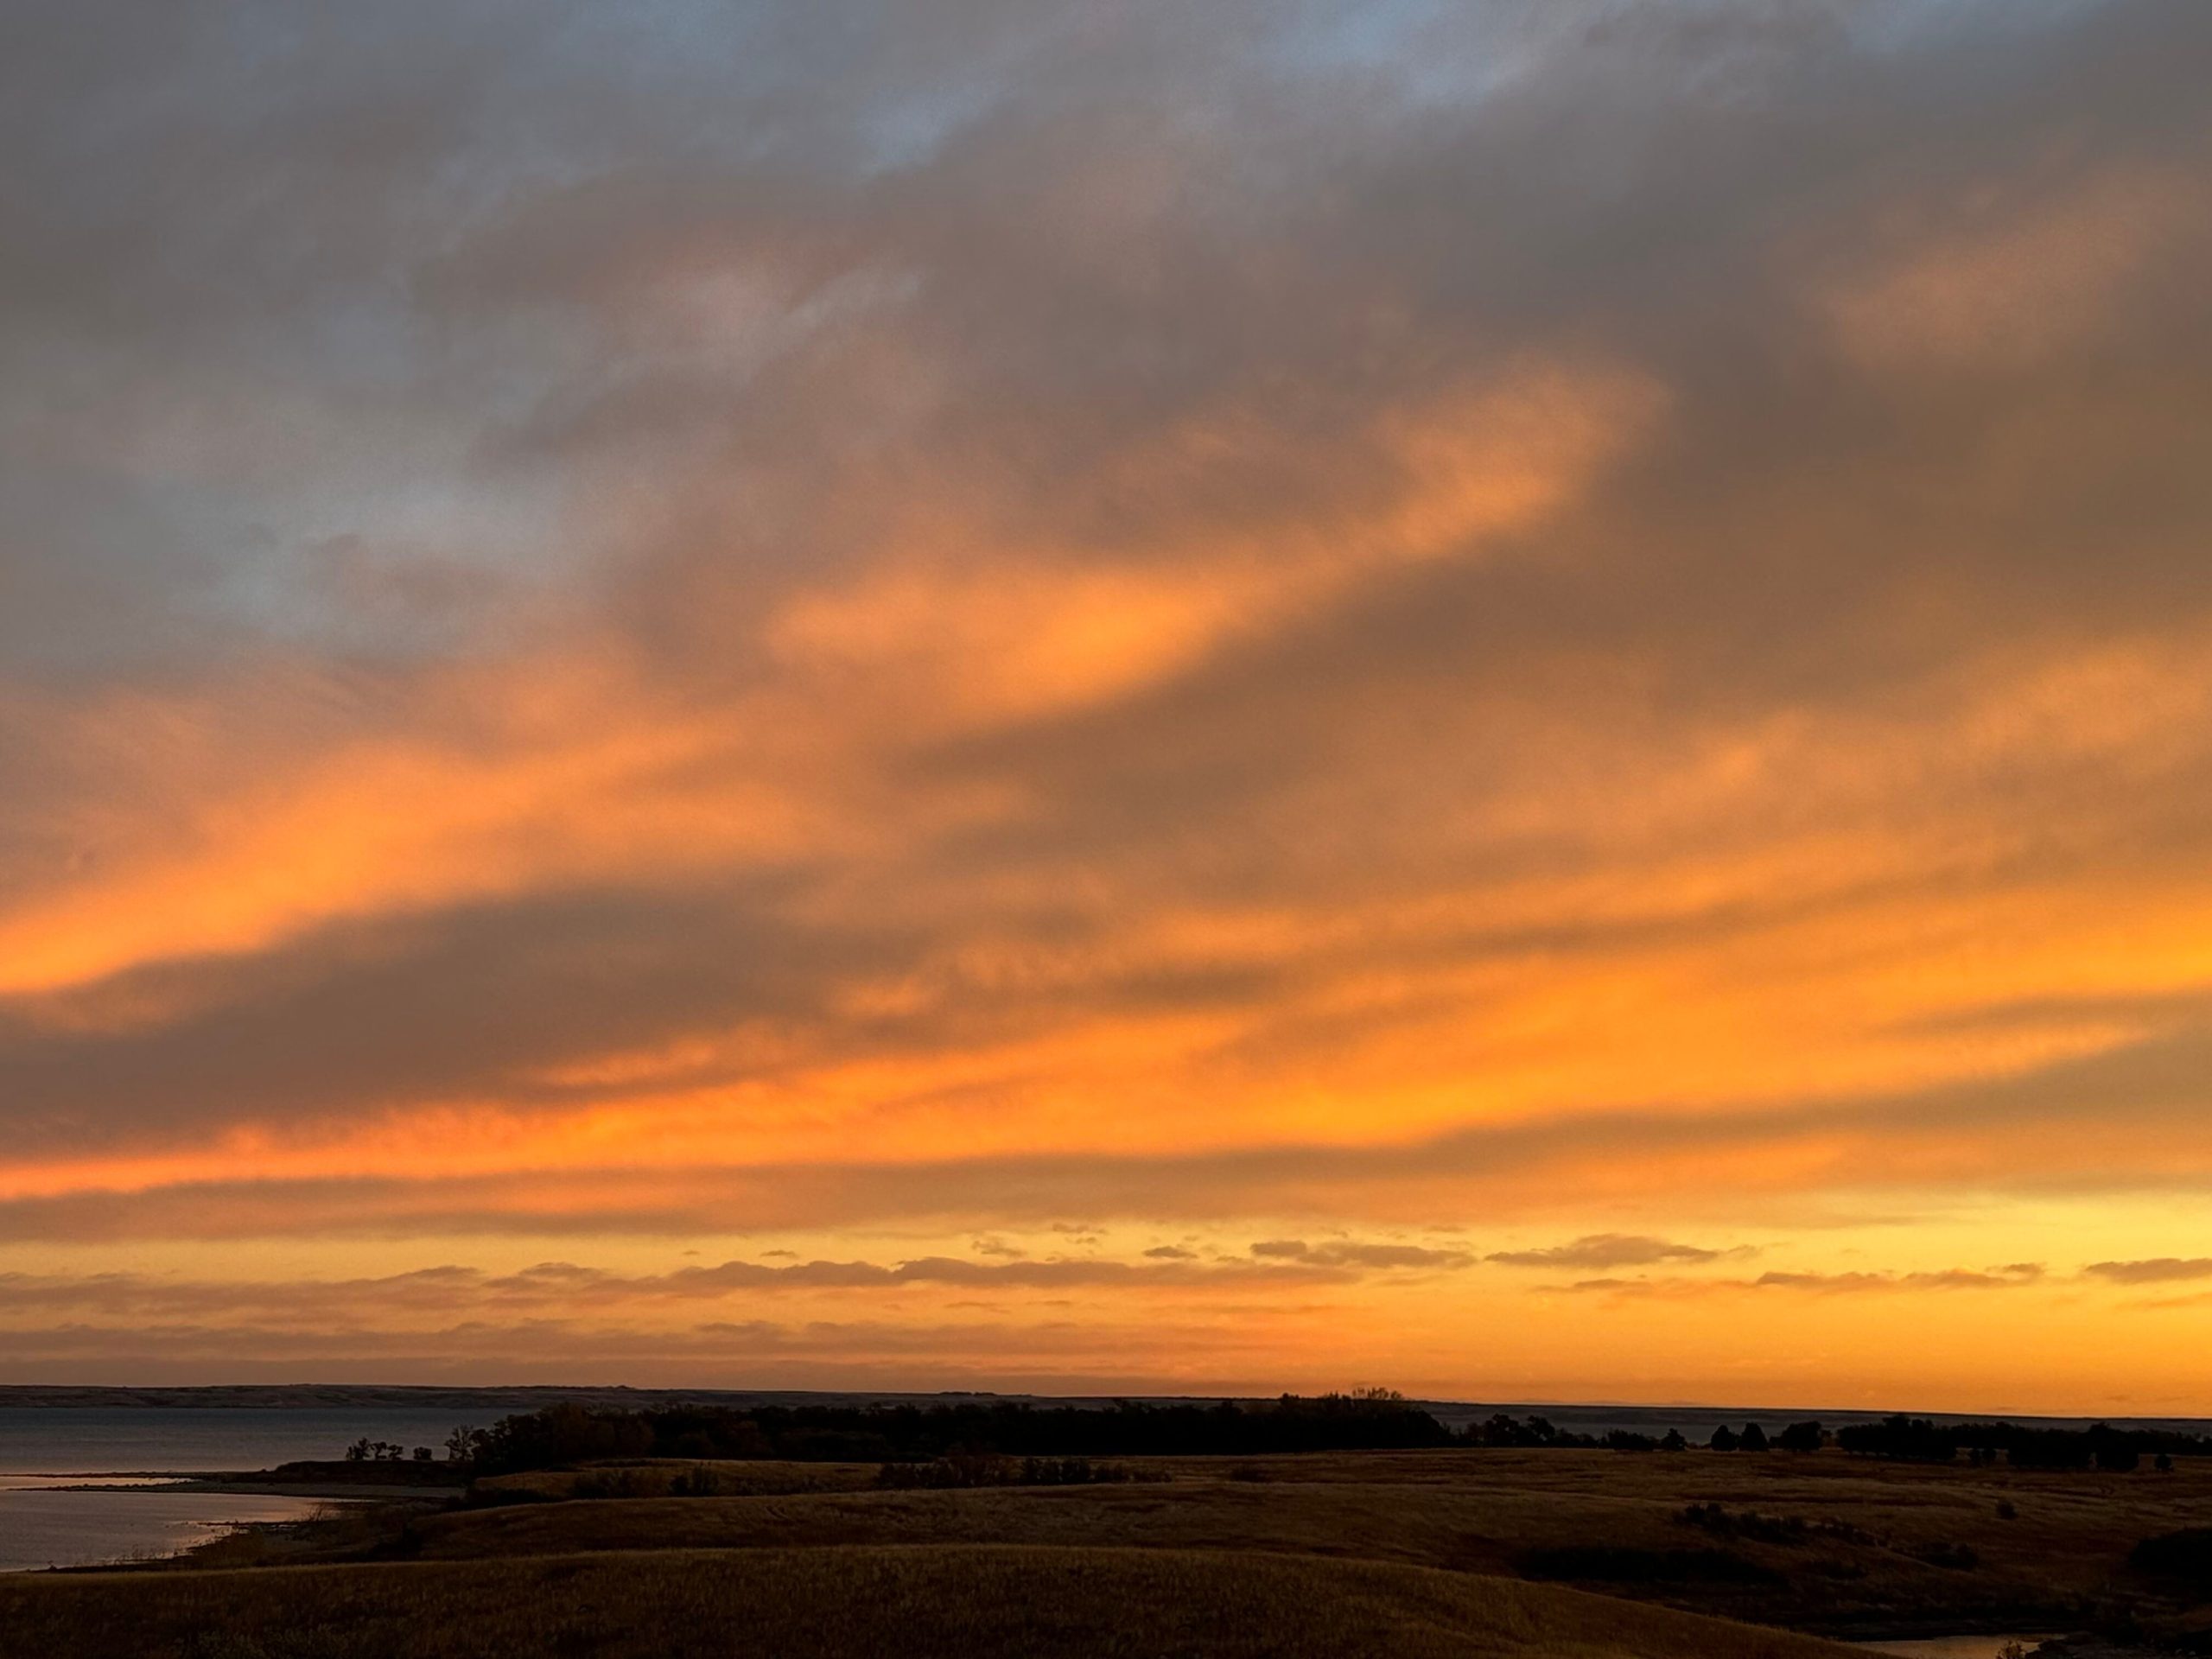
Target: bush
{"points": [[1959, 1558], [1721, 1522], [1502, 1430], [964, 1468], [619, 1483], [2186, 1555]]}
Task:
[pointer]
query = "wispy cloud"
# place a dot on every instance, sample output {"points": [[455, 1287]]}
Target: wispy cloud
{"points": [[2017, 1276], [1348, 1253], [2158, 1270], [1611, 1250]]}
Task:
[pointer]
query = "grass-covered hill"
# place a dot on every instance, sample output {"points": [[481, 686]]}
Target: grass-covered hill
{"points": [[929, 1602]]}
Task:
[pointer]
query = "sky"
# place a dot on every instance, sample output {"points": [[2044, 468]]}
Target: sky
{"points": [[1512, 699]]}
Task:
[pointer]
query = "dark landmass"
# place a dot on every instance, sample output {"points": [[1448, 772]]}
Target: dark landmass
{"points": [[643, 1523], [1573, 1417]]}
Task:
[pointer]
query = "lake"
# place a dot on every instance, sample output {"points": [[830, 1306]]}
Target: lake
{"points": [[45, 1449]]}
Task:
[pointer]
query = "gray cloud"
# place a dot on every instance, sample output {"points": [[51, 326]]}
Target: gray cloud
{"points": [[2140, 1101], [1608, 1251], [1047, 1356], [567, 1289], [2158, 1270], [1347, 1253], [2015, 1277]]}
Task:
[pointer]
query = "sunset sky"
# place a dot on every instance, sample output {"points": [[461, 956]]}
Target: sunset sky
{"points": [[1511, 698]]}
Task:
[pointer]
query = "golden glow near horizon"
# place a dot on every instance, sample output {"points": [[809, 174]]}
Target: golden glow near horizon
{"points": [[1152, 704]]}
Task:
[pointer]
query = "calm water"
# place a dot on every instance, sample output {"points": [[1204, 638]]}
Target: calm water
{"points": [[106, 1441], [42, 1526]]}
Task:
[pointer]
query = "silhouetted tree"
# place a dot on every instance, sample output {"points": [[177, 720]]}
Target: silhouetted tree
{"points": [[1673, 1441], [1754, 1438], [1806, 1436], [1900, 1436], [1724, 1438]]}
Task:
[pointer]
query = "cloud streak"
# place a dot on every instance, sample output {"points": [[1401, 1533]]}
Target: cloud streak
{"points": [[2016, 1277], [2165, 1269], [1608, 1250]]}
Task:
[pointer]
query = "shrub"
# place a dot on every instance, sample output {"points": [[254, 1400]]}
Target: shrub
{"points": [[2184, 1554], [1719, 1520], [703, 1482], [618, 1483], [1959, 1558]]}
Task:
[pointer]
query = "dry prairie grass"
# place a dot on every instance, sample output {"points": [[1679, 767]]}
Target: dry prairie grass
{"points": [[917, 1602], [1877, 1568], [659, 1478]]}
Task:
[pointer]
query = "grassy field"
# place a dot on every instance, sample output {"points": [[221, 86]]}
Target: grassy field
{"points": [[1824, 1543], [1473, 1552], [970, 1601], [663, 1478]]}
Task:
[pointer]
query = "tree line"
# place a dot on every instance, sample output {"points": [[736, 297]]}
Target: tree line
{"points": [[560, 1434], [2114, 1451], [1371, 1420]]}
